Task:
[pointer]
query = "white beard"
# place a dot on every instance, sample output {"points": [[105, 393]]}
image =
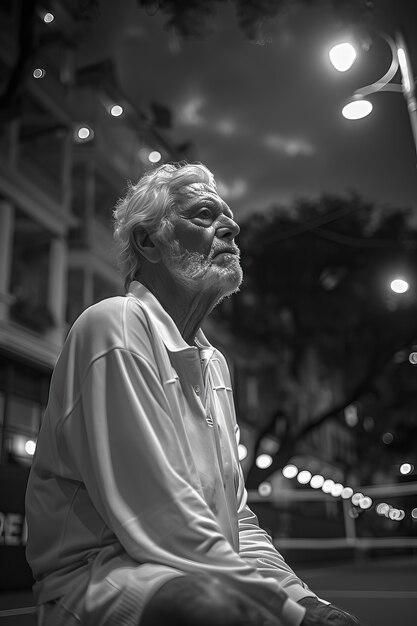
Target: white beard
{"points": [[196, 272]]}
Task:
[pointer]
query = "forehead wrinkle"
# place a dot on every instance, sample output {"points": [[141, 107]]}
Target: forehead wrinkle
{"points": [[195, 191]]}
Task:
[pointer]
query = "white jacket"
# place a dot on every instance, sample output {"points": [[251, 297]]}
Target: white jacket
{"points": [[137, 455]]}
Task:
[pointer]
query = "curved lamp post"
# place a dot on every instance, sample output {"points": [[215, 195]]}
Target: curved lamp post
{"points": [[342, 57]]}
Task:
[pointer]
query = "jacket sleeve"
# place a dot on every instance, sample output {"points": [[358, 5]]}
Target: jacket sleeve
{"points": [[138, 479], [257, 549]]}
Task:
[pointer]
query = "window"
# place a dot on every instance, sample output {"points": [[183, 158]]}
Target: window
{"points": [[30, 273], [23, 397]]}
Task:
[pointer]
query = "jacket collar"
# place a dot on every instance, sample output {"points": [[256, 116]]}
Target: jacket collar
{"points": [[167, 329]]}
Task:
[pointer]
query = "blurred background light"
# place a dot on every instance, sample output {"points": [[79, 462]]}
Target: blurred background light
{"points": [[39, 72], [242, 451], [317, 481], [327, 485], [337, 490], [406, 468], [365, 502], [412, 357], [48, 18], [387, 438], [396, 514], [351, 415], [265, 489], [263, 461], [290, 471], [116, 110], [347, 493], [342, 56], [304, 477], [357, 109], [356, 498], [398, 285], [30, 447], [382, 508], [154, 156], [83, 134], [368, 423]]}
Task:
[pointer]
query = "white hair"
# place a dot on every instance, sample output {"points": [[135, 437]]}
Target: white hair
{"points": [[149, 204]]}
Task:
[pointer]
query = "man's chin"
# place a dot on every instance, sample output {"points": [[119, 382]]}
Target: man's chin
{"points": [[228, 279]]}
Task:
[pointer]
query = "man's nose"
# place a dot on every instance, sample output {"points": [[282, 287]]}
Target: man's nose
{"points": [[228, 229]]}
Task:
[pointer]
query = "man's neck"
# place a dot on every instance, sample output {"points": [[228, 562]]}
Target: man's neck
{"points": [[188, 307]]}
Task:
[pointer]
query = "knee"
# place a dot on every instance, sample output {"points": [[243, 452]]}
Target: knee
{"points": [[189, 600]]}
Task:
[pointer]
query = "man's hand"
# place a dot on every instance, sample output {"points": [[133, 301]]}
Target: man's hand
{"points": [[320, 614]]}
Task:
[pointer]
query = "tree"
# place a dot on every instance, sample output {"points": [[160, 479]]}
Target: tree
{"points": [[194, 18], [188, 18], [317, 285], [32, 37]]}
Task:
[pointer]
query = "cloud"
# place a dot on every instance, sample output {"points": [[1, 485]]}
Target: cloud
{"points": [[291, 147], [190, 113], [233, 190]]}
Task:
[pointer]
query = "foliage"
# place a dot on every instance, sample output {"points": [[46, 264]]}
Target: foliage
{"points": [[194, 18], [317, 283]]}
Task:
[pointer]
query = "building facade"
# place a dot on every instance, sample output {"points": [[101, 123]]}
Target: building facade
{"points": [[70, 140]]}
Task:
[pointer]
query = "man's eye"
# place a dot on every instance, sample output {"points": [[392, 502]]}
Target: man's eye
{"points": [[205, 214]]}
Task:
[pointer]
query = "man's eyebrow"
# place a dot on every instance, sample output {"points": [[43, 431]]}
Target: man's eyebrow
{"points": [[211, 199]]}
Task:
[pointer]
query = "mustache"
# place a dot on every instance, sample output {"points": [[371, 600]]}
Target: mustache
{"points": [[222, 248]]}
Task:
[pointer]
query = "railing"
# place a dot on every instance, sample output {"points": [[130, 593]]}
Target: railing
{"points": [[294, 512]]}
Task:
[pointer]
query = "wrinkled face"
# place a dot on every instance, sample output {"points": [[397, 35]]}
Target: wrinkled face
{"points": [[201, 251]]}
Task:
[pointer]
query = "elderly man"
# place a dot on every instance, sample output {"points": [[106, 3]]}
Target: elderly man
{"points": [[136, 505]]}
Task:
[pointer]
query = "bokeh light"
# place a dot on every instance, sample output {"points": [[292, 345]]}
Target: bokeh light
{"points": [[30, 447], [154, 156], [328, 485], [317, 481], [398, 285], [304, 477], [347, 493], [336, 490], [242, 451], [412, 357], [84, 132], [263, 461], [406, 468], [356, 498], [38, 72], [365, 502], [396, 514], [290, 471], [351, 415], [382, 508], [265, 489], [387, 438], [116, 110], [342, 56]]}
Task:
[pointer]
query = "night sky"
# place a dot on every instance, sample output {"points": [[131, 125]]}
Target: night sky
{"points": [[266, 119]]}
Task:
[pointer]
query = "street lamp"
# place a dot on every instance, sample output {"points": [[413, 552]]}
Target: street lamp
{"points": [[399, 285], [343, 54]]}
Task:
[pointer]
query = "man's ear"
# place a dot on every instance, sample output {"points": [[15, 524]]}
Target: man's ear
{"points": [[144, 245]]}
